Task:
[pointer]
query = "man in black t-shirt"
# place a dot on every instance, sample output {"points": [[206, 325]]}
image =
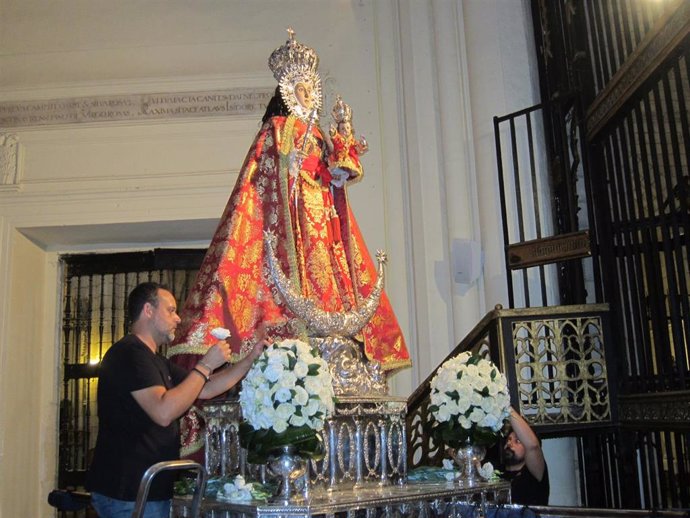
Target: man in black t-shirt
{"points": [[141, 395], [525, 466]]}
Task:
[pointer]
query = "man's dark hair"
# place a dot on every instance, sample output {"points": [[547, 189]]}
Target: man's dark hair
{"points": [[139, 296]]}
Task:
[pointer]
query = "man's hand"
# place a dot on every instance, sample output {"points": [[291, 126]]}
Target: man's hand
{"points": [[217, 355], [228, 377], [261, 343], [257, 350]]}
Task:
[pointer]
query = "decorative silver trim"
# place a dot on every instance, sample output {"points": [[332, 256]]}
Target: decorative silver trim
{"points": [[410, 500], [323, 323], [352, 374]]}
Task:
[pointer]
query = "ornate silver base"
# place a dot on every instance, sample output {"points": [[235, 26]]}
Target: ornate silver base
{"points": [[352, 374], [365, 442], [467, 457], [414, 500], [290, 469]]}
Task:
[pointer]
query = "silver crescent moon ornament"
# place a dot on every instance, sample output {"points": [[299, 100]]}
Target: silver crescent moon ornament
{"points": [[320, 322]]}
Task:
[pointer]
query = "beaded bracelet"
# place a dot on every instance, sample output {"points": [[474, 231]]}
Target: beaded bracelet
{"points": [[199, 371]]}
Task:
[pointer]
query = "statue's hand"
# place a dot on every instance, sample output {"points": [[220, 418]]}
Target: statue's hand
{"points": [[340, 176], [362, 146], [295, 162]]}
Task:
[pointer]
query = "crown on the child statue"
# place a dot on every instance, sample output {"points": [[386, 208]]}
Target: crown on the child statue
{"points": [[292, 55], [341, 111]]}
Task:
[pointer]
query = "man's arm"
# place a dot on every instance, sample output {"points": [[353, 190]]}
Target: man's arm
{"points": [[163, 405], [534, 457], [226, 378]]}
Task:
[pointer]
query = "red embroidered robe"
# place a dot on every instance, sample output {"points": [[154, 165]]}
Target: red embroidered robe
{"points": [[319, 246]]}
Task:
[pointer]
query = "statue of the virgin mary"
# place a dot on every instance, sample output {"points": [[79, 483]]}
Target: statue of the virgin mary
{"points": [[285, 188]]}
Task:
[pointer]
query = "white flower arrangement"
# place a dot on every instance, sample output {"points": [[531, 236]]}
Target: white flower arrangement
{"points": [[286, 397], [488, 472], [235, 490], [240, 490], [469, 401]]}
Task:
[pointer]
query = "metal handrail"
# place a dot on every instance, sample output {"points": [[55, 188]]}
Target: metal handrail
{"points": [[550, 511], [512, 338], [182, 465]]}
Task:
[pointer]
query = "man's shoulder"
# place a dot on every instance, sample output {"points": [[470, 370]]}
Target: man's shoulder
{"points": [[129, 344]]}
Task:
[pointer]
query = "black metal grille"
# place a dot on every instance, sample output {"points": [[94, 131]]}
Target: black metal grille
{"points": [[627, 61], [643, 169], [540, 183], [615, 28], [637, 468], [95, 289]]}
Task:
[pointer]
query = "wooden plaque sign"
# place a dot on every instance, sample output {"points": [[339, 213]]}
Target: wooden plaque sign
{"points": [[549, 250]]}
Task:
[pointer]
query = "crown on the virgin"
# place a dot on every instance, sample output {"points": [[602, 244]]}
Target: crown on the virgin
{"points": [[341, 111], [292, 54]]}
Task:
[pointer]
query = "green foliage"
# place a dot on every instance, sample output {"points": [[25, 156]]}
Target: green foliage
{"points": [[261, 444], [452, 434]]}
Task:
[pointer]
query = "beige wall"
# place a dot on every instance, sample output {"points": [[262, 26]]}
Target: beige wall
{"points": [[420, 76], [28, 383]]}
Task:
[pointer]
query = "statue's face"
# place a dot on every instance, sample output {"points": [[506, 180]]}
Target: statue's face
{"points": [[304, 93], [301, 92], [345, 129]]}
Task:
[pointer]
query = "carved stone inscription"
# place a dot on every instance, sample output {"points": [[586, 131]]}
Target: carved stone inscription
{"points": [[238, 101]]}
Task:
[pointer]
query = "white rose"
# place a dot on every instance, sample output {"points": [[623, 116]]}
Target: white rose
{"points": [[301, 369], [312, 384], [485, 368], [463, 404], [301, 396], [280, 425], [240, 483], [220, 333], [452, 407], [489, 421], [274, 372], [442, 414], [262, 421], [488, 405], [285, 410], [437, 398], [299, 349], [476, 399], [297, 420], [282, 395], [486, 471], [477, 415], [288, 379], [312, 407]]}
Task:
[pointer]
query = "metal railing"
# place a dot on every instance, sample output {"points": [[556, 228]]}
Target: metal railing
{"points": [[556, 362]]}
